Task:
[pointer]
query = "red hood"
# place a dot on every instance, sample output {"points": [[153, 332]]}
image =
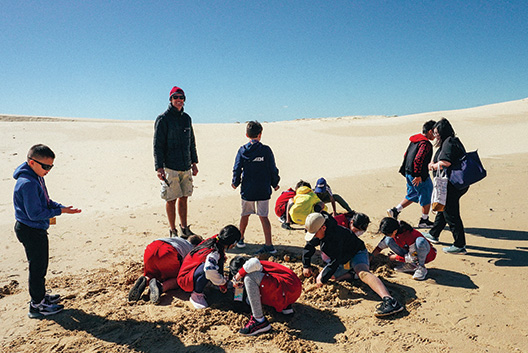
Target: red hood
{"points": [[418, 138]]}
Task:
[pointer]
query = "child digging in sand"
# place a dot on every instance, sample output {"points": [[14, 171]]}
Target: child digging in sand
{"points": [[409, 246]]}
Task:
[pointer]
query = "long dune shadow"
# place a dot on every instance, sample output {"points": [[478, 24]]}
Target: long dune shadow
{"points": [[450, 278], [142, 336], [502, 234]]}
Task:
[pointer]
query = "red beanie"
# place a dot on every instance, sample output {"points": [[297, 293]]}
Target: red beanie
{"points": [[176, 89]]}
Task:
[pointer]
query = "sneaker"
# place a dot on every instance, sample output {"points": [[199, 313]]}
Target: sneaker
{"points": [[282, 218], [420, 273], [52, 298], [425, 223], [393, 212], [198, 300], [155, 290], [288, 310], [266, 250], [173, 233], [389, 306], [253, 327], [186, 232], [137, 290], [455, 250], [240, 244], [287, 226], [44, 308], [431, 238], [406, 268]]}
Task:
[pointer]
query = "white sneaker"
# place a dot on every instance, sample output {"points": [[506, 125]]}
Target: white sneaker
{"points": [[198, 300], [420, 273], [406, 268]]}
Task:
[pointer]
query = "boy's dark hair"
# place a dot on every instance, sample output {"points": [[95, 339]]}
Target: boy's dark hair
{"points": [[302, 183], [40, 151], [195, 239], [428, 126], [389, 225], [236, 264], [360, 221], [253, 129], [226, 237]]}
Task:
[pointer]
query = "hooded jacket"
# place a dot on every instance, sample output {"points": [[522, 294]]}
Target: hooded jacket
{"points": [[174, 143], [33, 207], [417, 157], [255, 169], [303, 204]]}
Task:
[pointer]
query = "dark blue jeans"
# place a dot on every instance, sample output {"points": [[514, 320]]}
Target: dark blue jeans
{"points": [[199, 279], [36, 244]]}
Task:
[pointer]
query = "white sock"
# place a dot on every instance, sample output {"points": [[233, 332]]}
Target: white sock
{"points": [[399, 208], [425, 216], [260, 319]]}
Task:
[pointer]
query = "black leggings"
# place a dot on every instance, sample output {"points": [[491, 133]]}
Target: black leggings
{"points": [[36, 244], [451, 216]]}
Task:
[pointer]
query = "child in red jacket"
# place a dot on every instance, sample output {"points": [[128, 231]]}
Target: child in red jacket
{"points": [[267, 283], [409, 246], [205, 263]]}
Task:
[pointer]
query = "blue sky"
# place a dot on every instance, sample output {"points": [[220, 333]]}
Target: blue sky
{"points": [[265, 60]]}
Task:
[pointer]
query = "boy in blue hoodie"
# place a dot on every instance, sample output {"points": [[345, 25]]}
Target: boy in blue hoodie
{"points": [[255, 169], [33, 212]]}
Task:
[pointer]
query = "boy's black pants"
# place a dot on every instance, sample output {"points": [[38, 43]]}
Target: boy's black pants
{"points": [[36, 244]]}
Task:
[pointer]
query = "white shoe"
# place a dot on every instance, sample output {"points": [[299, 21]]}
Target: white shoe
{"points": [[420, 273], [406, 267], [198, 300]]}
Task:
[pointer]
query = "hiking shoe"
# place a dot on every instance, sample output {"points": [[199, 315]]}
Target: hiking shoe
{"points": [[406, 268], [173, 233], [240, 244], [253, 327], [155, 290], [288, 310], [198, 300], [389, 306], [425, 223], [186, 232], [455, 250], [420, 273], [44, 308], [137, 290], [52, 298], [393, 212], [286, 226], [431, 238], [266, 250]]}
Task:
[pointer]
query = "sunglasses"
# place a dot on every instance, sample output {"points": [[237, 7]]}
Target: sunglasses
{"points": [[43, 165], [178, 97]]}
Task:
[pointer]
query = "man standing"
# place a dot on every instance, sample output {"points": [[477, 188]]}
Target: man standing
{"points": [[175, 159], [415, 170]]}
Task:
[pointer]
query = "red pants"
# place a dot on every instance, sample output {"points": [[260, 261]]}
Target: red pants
{"points": [[162, 261]]}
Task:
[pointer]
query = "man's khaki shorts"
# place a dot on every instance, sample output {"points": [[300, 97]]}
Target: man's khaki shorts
{"points": [[181, 184]]}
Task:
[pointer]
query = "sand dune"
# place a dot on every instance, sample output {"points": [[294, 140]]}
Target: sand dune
{"points": [[472, 303]]}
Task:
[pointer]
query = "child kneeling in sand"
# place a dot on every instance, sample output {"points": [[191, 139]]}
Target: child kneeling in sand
{"points": [[162, 261], [267, 283], [409, 246], [205, 263]]}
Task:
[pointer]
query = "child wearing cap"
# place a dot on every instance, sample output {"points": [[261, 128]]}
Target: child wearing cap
{"points": [[409, 246], [205, 263], [344, 251], [264, 282], [301, 205], [324, 192], [256, 172]]}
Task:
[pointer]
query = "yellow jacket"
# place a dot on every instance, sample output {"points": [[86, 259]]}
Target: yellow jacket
{"points": [[303, 204]]}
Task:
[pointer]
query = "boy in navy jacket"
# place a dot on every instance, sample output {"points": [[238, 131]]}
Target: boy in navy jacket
{"points": [[33, 212], [255, 169]]}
